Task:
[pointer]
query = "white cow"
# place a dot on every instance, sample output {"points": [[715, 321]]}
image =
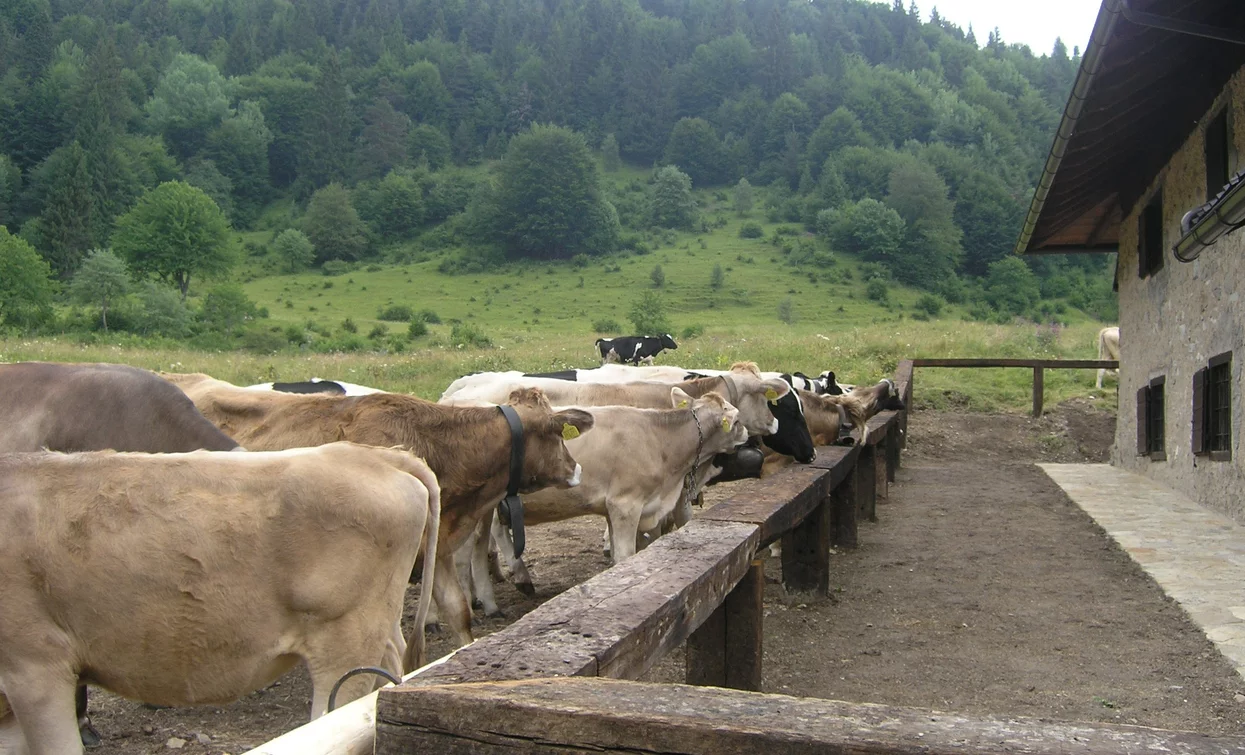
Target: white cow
{"points": [[196, 578], [1108, 348]]}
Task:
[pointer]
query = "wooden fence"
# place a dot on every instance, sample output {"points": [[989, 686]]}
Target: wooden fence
{"points": [[1037, 365], [510, 692]]}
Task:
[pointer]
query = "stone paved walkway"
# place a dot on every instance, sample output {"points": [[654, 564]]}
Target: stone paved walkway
{"points": [[1196, 555]]}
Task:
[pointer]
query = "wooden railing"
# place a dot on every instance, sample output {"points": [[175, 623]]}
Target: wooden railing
{"points": [[1038, 365]]}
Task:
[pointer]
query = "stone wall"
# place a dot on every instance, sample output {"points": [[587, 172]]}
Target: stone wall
{"points": [[1172, 322]]}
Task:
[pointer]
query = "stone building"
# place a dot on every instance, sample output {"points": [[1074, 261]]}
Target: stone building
{"points": [[1147, 163]]}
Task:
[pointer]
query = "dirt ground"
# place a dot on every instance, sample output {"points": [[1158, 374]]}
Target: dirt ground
{"points": [[981, 589]]}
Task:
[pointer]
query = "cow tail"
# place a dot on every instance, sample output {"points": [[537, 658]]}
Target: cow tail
{"points": [[416, 654]]}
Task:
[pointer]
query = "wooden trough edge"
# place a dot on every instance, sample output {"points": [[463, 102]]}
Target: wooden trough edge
{"points": [[604, 716]]}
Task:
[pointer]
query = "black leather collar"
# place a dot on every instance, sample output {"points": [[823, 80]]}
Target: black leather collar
{"points": [[511, 508]]}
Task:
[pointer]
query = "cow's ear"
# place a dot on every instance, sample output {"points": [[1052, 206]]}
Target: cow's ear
{"points": [[777, 386], [679, 398], [578, 419]]}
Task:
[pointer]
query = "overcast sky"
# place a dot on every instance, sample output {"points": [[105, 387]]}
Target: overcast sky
{"points": [[1032, 22]]}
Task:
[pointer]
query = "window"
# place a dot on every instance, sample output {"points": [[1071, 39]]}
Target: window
{"points": [[1218, 154], [1150, 420], [1212, 409], [1150, 237]]}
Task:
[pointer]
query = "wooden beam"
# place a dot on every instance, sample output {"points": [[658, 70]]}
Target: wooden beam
{"points": [[726, 651], [779, 502], [843, 511], [620, 622], [605, 716], [1052, 364], [866, 484], [806, 552], [893, 443]]}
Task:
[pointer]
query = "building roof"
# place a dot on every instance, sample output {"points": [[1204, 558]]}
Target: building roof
{"points": [[1138, 95]]}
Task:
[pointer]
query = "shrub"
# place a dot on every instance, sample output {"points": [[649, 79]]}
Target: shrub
{"points": [[430, 317], [296, 335], [786, 311], [335, 267], [751, 230], [877, 291], [396, 313], [262, 341], [349, 326], [416, 329], [929, 304], [466, 334], [693, 331], [378, 331], [606, 326], [658, 277], [648, 314]]}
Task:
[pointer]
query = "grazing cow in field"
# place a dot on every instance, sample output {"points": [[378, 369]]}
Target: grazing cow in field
{"points": [[184, 579], [94, 407], [634, 491], [634, 349], [467, 447], [1108, 348]]}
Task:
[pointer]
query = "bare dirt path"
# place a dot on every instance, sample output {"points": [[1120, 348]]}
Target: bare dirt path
{"points": [[981, 589]]}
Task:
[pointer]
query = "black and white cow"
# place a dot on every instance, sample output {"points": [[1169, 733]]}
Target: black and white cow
{"points": [[634, 349], [824, 384]]}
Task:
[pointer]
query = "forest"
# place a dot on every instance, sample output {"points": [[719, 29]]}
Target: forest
{"points": [[139, 135]]}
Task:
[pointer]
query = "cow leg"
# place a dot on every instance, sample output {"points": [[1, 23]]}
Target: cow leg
{"points": [[519, 575], [90, 737], [352, 642], [44, 701], [481, 581], [451, 602], [1101, 373], [624, 528], [462, 569]]}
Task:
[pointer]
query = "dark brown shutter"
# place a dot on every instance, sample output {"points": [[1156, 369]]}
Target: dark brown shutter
{"points": [[1199, 411], [1142, 446]]}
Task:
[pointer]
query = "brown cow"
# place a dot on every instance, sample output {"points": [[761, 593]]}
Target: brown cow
{"points": [[467, 447], [825, 416], [184, 579]]}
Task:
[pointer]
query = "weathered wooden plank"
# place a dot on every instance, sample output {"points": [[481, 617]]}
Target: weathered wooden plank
{"points": [[620, 622], [893, 444], [1074, 364], [745, 614], [836, 459], [880, 479], [806, 552], [705, 664], [605, 716], [779, 502], [903, 384]]}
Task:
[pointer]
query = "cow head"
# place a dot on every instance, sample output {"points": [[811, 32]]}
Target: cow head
{"points": [[718, 420], [792, 438], [755, 397], [855, 407], [546, 462], [667, 342]]}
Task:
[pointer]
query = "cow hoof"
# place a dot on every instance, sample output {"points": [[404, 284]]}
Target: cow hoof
{"points": [[90, 737], [526, 588], [477, 604], [496, 614], [433, 628]]}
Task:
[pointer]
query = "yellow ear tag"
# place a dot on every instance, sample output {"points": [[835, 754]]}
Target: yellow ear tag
{"points": [[726, 425], [569, 431], [772, 395], [683, 404]]}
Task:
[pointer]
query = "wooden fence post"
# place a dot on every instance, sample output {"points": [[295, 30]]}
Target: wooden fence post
{"points": [[806, 552], [726, 650], [866, 483], [1038, 389], [893, 440], [843, 507]]}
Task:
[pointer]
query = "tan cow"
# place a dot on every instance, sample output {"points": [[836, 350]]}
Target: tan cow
{"points": [[467, 447], [1108, 348], [636, 490], [184, 579]]}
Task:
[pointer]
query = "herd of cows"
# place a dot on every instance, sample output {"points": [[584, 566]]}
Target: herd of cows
{"points": [[181, 540]]}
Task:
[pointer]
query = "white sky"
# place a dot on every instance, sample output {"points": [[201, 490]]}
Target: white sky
{"points": [[1032, 22]]}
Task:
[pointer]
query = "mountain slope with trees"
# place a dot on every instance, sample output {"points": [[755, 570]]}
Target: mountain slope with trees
{"points": [[467, 128]]}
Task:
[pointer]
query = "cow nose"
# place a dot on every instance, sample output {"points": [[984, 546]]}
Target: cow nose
{"points": [[575, 478], [773, 426]]}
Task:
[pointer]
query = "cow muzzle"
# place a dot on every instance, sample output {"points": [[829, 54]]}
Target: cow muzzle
{"points": [[576, 478]]}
